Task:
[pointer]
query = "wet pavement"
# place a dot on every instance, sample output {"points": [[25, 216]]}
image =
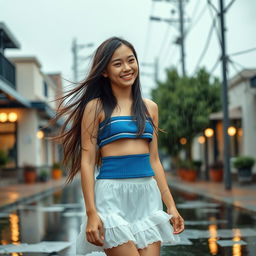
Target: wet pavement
{"points": [[212, 227], [241, 195]]}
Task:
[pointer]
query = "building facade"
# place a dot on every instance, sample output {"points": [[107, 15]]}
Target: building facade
{"points": [[242, 115], [26, 105]]}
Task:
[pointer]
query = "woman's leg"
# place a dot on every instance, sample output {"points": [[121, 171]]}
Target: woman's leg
{"points": [[151, 250], [127, 249]]}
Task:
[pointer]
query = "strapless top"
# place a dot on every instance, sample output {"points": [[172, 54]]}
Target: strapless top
{"points": [[120, 127]]}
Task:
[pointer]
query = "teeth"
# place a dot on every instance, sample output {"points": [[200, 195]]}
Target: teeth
{"points": [[128, 75]]}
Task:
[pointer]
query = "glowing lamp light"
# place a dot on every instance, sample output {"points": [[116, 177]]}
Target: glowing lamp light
{"points": [[3, 117], [201, 139], [209, 132], [183, 141], [231, 131], [12, 117], [40, 134]]}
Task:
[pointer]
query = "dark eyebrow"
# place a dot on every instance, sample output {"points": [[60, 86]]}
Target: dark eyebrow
{"points": [[120, 59]]}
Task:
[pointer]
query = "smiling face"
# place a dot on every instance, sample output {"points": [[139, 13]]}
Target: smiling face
{"points": [[122, 70]]}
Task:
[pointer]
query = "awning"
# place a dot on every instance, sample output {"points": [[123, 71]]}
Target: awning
{"points": [[46, 110], [234, 113], [6, 89]]}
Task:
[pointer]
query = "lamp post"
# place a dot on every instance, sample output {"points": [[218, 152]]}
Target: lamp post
{"points": [[208, 133]]}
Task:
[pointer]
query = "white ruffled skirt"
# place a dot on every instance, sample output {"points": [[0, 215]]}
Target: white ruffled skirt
{"points": [[131, 210]]}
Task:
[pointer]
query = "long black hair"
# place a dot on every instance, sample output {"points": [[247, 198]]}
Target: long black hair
{"points": [[94, 86]]}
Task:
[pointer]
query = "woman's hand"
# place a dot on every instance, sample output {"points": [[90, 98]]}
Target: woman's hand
{"points": [[94, 230], [177, 220]]}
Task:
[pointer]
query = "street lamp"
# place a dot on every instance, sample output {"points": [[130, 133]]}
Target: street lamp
{"points": [[232, 131], [3, 117], [40, 134], [208, 133], [183, 141]]}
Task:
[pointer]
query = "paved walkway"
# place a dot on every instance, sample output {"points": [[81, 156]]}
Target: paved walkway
{"points": [[242, 196], [11, 195]]}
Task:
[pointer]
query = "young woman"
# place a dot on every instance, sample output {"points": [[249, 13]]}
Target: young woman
{"points": [[109, 125]]}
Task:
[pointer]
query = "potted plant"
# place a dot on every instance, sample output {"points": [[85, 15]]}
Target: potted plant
{"points": [[56, 171], [187, 170], [43, 175], [29, 173], [3, 158], [216, 171], [198, 164], [244, 165]]}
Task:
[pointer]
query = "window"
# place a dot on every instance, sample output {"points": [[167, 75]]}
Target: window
{"points": [[45, 89]]}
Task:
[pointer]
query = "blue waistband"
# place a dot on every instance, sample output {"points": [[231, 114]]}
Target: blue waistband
{"points": [[126, 166]]}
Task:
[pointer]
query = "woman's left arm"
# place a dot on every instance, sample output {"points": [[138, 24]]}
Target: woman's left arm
{"points": [[177, 220]]}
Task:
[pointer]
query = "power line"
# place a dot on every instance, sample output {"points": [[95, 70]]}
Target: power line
{"points": [[213, 6], [207, 43], [215, 65], [164, 40], [197, 19], [229, 5], [243, 52], [215, 25]]}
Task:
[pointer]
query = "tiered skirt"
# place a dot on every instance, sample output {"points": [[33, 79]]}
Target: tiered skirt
{"points": [[131, 210]]}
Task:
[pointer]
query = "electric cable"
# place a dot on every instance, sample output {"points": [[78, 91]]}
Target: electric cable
{"points": [[215, 25], [243, 52], [229, 5], [197, 19], [207, 43]]}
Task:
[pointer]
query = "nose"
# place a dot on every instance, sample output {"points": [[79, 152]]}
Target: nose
{"points": [[126, 66]]}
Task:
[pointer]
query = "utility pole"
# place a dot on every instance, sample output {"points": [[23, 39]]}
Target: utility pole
{"points": [[156, 70], [181, 39], [182, 47], [76, 58], [227, 172], [75, 63]]}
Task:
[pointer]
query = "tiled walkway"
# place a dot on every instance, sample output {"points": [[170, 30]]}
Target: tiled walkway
{"points": [[243, 196]]}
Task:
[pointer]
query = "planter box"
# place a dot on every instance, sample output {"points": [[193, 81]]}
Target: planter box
{"points": [[244, 175]]}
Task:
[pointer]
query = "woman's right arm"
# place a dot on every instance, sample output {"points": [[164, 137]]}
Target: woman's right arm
{"points": [[94, 228]]}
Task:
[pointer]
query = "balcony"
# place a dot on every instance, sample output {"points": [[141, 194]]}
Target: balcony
{"points": [[7, 71]]}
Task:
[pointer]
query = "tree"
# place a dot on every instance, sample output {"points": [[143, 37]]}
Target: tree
{"points": [[185, 104]]}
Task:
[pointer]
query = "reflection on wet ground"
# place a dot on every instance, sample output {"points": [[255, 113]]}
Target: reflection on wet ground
{"points": [[212, 228]]}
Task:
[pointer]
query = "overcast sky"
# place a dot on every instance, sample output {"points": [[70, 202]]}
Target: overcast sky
{"points": [[46, 28]]}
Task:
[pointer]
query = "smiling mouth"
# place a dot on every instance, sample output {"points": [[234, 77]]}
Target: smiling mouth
{"points": [[128, 76]]}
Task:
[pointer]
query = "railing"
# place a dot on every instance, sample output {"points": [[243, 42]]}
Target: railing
{"points": [[7, 71]]}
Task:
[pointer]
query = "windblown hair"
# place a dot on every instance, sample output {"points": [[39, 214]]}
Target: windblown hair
{"points": [[72, 104]]}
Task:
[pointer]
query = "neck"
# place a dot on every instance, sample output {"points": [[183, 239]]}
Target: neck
{"points": [[122, 94]]}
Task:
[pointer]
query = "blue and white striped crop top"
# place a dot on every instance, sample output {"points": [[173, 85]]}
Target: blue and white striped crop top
{"points": [[122, 127]]}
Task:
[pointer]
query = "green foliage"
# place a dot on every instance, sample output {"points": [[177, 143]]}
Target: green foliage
{"points": [[185, 104], [187, 165], [244, 162], [3, 158]]}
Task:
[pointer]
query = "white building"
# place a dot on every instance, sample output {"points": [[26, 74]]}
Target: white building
{"points": [[242, 115], [25, 108]]}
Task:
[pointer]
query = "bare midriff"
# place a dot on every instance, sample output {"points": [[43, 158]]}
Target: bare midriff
{"points": [[125, 146]]}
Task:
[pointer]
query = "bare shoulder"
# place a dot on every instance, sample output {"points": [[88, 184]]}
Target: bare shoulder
{"points": [[91, 107], [151, 106]]}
